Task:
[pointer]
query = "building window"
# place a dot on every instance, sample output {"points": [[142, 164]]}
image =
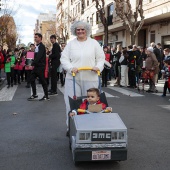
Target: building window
{"points": [[79, 8], [76, 9], [152, 36], [97, 18], [87, 2], [92, 20], [88, 19], [110, 9]]}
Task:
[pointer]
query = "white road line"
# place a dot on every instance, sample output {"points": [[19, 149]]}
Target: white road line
{"points": [[40, 91], [61, 89], [107, 94], [165, 107], [126, 92], [7, 94]]}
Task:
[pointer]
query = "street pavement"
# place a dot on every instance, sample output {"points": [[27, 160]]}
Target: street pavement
{"points": [[32, 133]]}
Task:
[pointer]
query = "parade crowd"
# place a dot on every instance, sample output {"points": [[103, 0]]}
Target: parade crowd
{"points": [[19, 67], [128, 65], [134, 64]]}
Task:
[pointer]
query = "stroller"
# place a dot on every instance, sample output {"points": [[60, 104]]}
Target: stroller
{"points": [[96, 136], [146, 76]]}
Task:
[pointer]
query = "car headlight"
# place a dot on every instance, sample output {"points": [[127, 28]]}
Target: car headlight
{"points": [[84, 136], [114, 135], [121, 135]]}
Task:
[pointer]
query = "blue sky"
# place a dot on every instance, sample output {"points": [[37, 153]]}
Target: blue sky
{"points": [[25, 18]]}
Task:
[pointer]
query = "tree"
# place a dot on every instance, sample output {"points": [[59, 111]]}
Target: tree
{"points": [[7, 26], [100, 4], [132, 19], [11, 40]]}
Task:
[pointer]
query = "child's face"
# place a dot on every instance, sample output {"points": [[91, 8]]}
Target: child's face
{"points": [[92, 97], [166, 64], [166, 53]]}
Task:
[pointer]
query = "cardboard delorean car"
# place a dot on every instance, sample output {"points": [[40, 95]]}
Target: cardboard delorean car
{"points": [[98, 137]]}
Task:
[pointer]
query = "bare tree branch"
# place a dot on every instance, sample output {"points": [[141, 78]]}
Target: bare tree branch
{"points": [[100, 6], [133, 18]]}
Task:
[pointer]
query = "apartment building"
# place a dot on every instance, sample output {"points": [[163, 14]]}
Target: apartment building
{"points": [[46, 25], [156, 27]]}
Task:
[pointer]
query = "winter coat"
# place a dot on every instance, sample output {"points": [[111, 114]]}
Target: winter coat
{"points": [[157, 53], [85, 104], [9, 62], [152, 63], [1, 60], [40, 56]]}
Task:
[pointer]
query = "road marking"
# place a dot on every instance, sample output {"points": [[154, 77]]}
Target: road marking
{"points": [[165, 107], [126, 92], [61, 89], [7, 94], [40, 91], [107, 94]]}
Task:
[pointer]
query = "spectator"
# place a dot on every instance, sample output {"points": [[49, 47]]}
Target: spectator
{"points": [[157, 53], [116, 57], [124, 69], [152, 68], [9, 64], [62, 73], [131, 67], [55, 62], [1, 61], [166, 73], [141, 59], [29, 68], [107, 66], [166, 53]]}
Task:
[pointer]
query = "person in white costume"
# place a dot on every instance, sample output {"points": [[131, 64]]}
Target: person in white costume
{"points": [[82, 51], [124, 69]]}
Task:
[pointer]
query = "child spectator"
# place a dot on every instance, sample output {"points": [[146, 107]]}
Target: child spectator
{"points": [[93, 98], [166, 73], [9, 68]]}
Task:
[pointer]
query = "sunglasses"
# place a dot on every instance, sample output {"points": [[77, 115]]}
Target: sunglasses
{"points": [[78, 29]]}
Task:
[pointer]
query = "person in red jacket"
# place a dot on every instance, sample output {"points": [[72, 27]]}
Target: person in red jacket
{"points": [[93, 98], [1, 60]]}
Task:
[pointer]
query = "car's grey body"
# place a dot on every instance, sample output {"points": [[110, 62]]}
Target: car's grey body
{"points": [[99, 125]]}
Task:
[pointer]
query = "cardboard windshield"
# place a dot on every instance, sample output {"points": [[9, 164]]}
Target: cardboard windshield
{"points": [[95, 108]]}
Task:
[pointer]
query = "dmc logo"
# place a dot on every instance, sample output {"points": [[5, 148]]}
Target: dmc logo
{"points": [[101, 136]]}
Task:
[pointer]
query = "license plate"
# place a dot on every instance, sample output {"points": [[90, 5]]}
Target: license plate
{"points": [[101, 155]]}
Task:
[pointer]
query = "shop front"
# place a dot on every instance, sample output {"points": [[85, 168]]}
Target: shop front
{"points": [[99, 39]]}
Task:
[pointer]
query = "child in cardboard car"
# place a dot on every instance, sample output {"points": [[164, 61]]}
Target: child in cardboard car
{"points": [[92, 103]]}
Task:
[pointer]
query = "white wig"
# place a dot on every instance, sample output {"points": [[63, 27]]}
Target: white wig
{"points": [[85, 25]]}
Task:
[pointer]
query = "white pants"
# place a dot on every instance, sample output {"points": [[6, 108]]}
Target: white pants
{"points": [[81, 90], [124, 75]]}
